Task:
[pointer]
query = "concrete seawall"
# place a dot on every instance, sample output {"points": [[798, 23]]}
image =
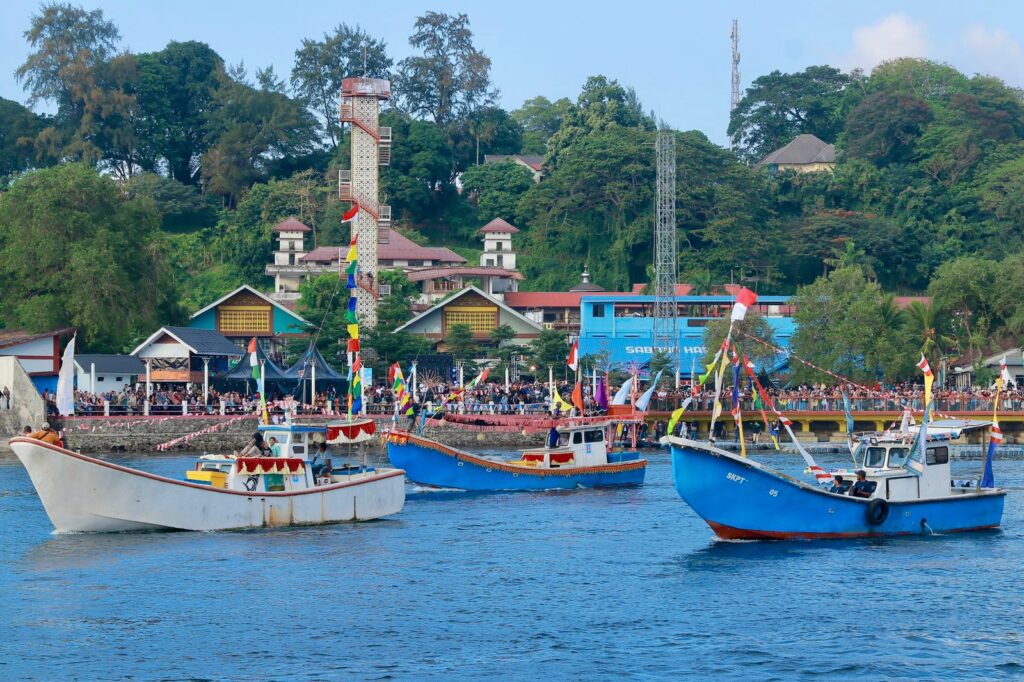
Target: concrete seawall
{"points": [[144, 434]]}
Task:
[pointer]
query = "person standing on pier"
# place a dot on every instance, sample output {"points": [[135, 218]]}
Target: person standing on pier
{"points": [[7, 396]]}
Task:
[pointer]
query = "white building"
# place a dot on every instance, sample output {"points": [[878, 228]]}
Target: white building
{"points": [[287, 268], [105, 373], [498, 251]]}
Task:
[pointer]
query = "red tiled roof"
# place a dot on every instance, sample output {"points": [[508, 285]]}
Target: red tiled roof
{"points": [[398, 247], [550, 299], [469, 271], [498, 225], [12, 337], [905, 301], [291, 225], [681, 289]]}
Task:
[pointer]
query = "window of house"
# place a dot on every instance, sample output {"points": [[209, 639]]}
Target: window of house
{"points": [[499, 246], [118, 378], [599, 310], [479, 321], [501, 260], [488, 261], [413, 263]]}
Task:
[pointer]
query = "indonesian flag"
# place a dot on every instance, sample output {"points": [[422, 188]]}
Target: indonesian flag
{"points": [[924, 367], [254, 362], [997, 433], [744, 299], [350, 214], [1004, 373], [574, 355]]}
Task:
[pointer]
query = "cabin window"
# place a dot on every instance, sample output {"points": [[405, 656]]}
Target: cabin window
{"points": [[938, 455], [298, 449], [593, 436], [874, 457], [577, 438], [599, 310], [898, 457], [563, 440]]}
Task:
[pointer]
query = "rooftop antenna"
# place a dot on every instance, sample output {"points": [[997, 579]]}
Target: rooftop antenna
{"points": [[734, 99]]}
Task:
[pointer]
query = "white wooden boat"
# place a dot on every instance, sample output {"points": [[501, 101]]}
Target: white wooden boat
{"points": [[85, 494]]}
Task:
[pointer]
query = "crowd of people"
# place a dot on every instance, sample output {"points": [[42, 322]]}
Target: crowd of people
{"points": [[533, 397]]}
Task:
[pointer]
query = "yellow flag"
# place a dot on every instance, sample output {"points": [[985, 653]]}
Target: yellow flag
{"points": [[674, 419], [928, 379], [353, 331], [351, 256]]}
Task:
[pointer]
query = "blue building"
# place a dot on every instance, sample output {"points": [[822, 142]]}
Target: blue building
{"points": [[623, 326]]}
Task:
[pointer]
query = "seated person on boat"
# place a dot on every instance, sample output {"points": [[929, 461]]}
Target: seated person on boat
{"points": [[839, 486], [46, 434], [863, 487]]}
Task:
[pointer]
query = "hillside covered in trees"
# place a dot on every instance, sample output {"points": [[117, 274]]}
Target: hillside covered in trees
{"points": [[158, 177]]}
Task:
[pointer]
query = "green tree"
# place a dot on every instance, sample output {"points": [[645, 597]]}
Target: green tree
{"points": [[926, 324], [248, 129], [460, 342], [885, 127], [540, 118], [550, 348], [177, 95], [67, 43], [321, 65], [74, 251], [488, 130], [779, 106], [753, 324], [496, 188], [18, 130], [450, 78], [395, 309], [420, 168], [966, 287], [840, 326]]}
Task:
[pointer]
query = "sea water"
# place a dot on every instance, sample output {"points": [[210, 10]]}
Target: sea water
{"points": [[587, 584]]}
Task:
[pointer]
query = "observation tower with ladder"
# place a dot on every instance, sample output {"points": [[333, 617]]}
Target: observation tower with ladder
{"points": [[371, 149]]}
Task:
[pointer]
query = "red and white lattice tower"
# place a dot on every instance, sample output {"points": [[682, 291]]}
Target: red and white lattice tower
{"points": [[371, 149]]}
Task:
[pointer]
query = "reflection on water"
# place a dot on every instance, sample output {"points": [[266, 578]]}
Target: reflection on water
{"points": [[581, 584]]}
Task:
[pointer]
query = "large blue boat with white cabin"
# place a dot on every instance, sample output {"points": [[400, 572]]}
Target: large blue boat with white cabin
{"points": [[740, 498], [579, 458]]}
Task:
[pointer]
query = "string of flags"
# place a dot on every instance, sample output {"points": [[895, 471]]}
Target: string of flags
{"points": [[355, 365]]}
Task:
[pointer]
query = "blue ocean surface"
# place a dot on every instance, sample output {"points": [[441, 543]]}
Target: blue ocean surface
{"points": [[588, 584]]}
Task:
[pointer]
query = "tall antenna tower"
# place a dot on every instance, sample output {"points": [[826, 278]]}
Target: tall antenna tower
{"points": [[666, 274], [734, 99]]}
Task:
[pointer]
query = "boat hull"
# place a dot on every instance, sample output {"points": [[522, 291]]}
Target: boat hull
{"points": [[84, 494], [430, 463], [740, 499]]}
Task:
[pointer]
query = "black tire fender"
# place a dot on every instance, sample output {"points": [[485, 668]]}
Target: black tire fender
{"points": [[877, 512]]}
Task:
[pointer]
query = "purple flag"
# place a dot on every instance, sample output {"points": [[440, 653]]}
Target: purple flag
{"points": [[602, 394]]}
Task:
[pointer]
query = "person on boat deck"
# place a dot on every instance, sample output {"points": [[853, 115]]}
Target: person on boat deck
{"points": [[863, 487], [256, 446], [839, 486], [46, 434], [27, 431], [275, 449], [553, 437]]}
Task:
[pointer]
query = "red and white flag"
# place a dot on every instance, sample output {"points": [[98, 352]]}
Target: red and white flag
{"points": [[1004, 373], [744, 299], [924, 367], [350, 214], [997, 433], [574, 355]]}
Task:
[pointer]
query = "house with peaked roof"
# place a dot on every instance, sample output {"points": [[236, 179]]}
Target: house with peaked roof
{"points": [[244, 313], [182, 354], [475, 308], [804, 154], [37, 353], [532, 162]]}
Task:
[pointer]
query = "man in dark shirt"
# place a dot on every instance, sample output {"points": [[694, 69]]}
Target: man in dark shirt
{"points": [[838, 486], [863, 487]]}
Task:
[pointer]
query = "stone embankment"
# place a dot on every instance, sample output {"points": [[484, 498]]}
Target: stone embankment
{"points": [[225, 434]]}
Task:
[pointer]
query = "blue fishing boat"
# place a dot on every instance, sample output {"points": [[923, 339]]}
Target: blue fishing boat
{"points": [[906, 494], [578, 458]]}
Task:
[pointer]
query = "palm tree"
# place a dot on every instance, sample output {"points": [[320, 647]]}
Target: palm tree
{"points": [[892, 315], [925, 323]]}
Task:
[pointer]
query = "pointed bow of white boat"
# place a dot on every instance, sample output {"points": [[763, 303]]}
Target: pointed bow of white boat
{"points": [[84, 494]]}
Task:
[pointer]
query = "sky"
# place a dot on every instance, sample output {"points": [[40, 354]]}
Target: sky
{"points": [[677, 55]]}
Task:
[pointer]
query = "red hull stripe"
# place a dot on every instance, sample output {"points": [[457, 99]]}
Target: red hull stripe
{"points": [[730, 533], [219, 491]]}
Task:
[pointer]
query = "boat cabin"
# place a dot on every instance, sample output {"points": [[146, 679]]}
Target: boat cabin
{"points": [[886, 460], [293, 465], [580, 446]]}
